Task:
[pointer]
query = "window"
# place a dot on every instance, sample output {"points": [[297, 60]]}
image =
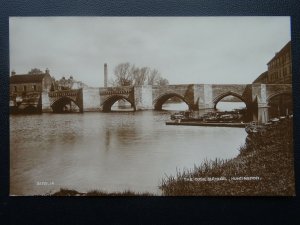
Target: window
{"points": [[24, 88], [34, 87], [15, 88], [285, 71]]}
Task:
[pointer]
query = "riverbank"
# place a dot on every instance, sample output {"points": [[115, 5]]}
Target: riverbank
{"points": [[264, 167]]}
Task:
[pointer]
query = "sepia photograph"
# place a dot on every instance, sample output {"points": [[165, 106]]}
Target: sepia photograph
{"points": [[151, 106]]}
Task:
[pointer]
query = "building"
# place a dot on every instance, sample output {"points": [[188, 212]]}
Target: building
{"points": [[262, 79], [27, 90], [279, 72], [280, 66], [70, 83]]}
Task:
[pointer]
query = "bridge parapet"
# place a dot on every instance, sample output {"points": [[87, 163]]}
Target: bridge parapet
{"points": [[62, 93], [116, 90]]}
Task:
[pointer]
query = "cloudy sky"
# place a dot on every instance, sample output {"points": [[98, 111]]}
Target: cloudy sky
{"points": [[183, 49]]}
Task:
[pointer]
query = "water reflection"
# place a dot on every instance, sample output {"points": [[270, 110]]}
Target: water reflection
{"points": [[122, 106], [109, 151], [107, 139]]}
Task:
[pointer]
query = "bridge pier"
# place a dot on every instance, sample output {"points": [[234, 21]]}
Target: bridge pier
{"points": [[91, 99], [262, 114], [143, 97], [80, 101], [46, 105], [259, 95], [203, 97]]}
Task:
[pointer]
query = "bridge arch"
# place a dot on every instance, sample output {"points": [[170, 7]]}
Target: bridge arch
{"points": [[280, 104], [158, 102], [229, 93], [279, 94], [59, 104], [107, 104]]}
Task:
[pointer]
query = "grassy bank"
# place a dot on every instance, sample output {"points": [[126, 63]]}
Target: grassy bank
{"points": [[264, 166], [70, 192]]}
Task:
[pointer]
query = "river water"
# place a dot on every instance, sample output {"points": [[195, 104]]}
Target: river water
{"points": [[108, 151]]}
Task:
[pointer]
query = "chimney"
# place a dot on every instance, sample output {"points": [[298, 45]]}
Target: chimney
{"points": [[105, 75], [13, 73]]}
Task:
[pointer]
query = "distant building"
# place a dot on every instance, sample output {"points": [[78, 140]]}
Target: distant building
{"points": [[26, 90], [67, 84], [279, 68]]}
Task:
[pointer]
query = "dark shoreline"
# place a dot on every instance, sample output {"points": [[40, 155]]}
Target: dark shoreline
{"points": [[70, 192], [207, 124], [264, 167]]}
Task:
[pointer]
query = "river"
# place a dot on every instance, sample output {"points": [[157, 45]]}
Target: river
{"points": [[108, 151]]}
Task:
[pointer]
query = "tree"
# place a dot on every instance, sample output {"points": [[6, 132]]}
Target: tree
{"points": [[140, 75], [153, 77], [130, 75], [35, 71], [123, 74], [162, 82]]}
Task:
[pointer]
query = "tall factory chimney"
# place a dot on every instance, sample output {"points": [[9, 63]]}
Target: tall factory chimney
{"points": [[105, 74]]}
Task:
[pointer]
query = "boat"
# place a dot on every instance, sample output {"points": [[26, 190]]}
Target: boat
{"points": [[254, 127], [210, 117], [177, 116]]}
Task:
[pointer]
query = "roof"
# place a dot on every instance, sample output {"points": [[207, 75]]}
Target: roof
{"points": [[288, 45], [27, 78], [261, 77]]}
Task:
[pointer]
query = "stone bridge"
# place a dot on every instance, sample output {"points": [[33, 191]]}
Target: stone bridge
{"points": [[147, 97], [196, 96], [59, 99], [110, 95]]}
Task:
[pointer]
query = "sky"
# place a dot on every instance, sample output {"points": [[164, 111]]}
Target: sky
{"points": [[185, 50]]}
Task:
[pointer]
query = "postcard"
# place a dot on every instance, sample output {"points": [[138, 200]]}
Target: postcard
{"points": [[151, 106]]}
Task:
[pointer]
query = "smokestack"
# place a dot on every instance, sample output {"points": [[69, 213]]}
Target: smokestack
{"points": [[105, 75]]}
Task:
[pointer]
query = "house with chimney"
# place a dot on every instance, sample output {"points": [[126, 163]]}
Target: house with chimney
{"points": [[27, 90]]}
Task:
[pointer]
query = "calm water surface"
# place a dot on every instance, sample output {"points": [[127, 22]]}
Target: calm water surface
{"points": [[108, 151]]}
